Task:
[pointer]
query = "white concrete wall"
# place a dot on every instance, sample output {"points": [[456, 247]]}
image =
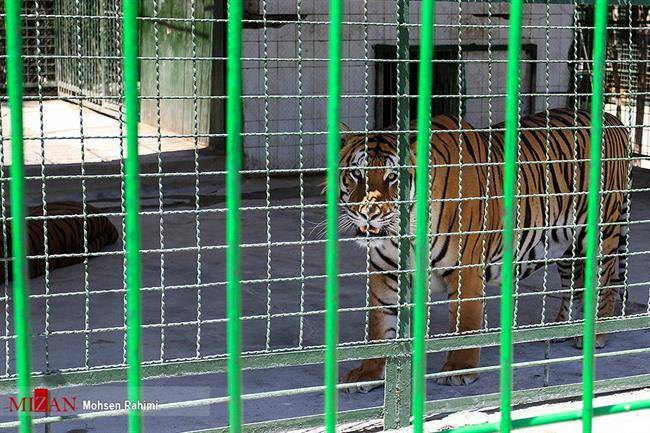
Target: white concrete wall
{"points": [[282, 76]]}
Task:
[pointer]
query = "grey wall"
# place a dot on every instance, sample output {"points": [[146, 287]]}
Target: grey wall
{"points": [[282, 82]]}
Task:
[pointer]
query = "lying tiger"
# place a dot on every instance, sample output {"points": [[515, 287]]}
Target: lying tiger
{"points": [[65, 236], [369, 187]]}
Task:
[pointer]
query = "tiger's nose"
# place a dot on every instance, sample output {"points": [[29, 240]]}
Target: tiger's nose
{"points": [[371, 229], [369, 210]]}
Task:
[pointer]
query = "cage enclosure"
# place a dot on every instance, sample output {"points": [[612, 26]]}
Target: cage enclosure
{"points": [[197, 219]]}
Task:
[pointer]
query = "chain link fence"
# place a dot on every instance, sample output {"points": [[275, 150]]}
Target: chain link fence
{"points": [[180, 302]]}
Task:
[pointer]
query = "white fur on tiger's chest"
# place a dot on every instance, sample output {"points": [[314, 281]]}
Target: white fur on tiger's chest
{"points": [[384, 252]]}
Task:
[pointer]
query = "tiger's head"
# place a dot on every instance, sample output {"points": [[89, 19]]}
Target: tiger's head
{"points": [[369, 185]]}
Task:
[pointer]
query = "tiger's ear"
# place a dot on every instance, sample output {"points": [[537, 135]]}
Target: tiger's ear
{"points": [[413, 136], [344, 130], [413, 127]]}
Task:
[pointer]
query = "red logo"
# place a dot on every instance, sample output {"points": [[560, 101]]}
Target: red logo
{"points": [[41, 401]]}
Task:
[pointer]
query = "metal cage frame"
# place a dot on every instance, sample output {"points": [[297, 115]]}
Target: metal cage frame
{"points": [[406, 370]]}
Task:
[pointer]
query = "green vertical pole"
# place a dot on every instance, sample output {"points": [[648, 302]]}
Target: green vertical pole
{"points": [[132, 204], [13, 28], [397, 395], [593, 205], [421, 277], [509, 213], [233, 166], [331, 249]]}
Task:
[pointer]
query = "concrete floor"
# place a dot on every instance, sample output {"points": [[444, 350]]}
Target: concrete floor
{"points": [[105, 308], [61, 131]]}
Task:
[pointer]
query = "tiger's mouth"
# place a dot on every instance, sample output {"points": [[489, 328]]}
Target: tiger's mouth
{"points": [[371, 231]]}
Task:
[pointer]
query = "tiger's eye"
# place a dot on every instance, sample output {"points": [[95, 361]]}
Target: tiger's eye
{"points": [[391, 177], [357, 173]]}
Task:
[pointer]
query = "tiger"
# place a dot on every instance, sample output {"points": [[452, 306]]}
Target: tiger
{"points": [[65, 235], [465, 246]]}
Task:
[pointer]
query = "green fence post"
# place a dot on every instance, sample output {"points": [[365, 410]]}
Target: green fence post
{"points": [[132, 205], [553, 418], [13, 29], [233, 166], [509, 213], [421, 280], [593, 214], [397, 394], [331, 252]]}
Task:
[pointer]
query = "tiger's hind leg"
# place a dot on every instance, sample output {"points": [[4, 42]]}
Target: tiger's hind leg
{"points": [[572, 280], [607, 296], [608, 289], [571, 273], [623, 252]]}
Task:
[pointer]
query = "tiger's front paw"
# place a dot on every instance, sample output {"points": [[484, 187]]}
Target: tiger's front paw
{"points": [[601, 341], [460, 360], [370, 370]]}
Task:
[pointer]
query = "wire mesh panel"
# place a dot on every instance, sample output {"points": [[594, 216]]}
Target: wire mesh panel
{"points": [[38, 41], [239, 242], [88, 63]]}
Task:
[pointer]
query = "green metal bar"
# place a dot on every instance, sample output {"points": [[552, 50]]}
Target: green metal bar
{"points": [[593, 214], [571, 2], [397, 395], [60, 379], [421, 277], [13, 29], [233, 196], [331, 248], [132, 204], [552, 418], [533, 395], [509, 214], [485, 401]]}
